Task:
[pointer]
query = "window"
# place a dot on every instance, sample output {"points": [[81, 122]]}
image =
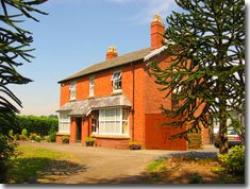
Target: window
{"points": [[94, 121], [175, 100], [91, 86], [64, 123], [113, 121], [117, 81], [72, 91], [175, 92]]}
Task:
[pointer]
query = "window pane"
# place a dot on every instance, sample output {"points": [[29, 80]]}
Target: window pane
{"points": [[125, 114], [125, 127]]}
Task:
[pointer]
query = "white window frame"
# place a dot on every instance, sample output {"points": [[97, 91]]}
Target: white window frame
{"points": [[116, 80], [118, 120], [64, 123], [91, 86], [72, 91]]}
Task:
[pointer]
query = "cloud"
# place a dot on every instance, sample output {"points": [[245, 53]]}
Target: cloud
{"points": [[149, 8]]}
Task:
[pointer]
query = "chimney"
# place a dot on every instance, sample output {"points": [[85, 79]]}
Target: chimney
{"points": [[111, 53], [157, 32]]}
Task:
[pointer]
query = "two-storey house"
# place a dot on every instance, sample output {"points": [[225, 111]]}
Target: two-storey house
{"points": [[117, 101]]}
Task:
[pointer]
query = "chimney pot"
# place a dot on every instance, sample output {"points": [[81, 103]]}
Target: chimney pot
{"points": [[111, 53]]}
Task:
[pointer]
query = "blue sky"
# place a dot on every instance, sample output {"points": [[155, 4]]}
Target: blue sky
{"points": [[76, 34]]}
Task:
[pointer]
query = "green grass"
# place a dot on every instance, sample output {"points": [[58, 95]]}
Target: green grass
{"points": [[33, 161], [158, 165]]}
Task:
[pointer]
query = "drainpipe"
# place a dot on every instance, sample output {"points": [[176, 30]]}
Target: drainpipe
{"points": [[133, 98]]}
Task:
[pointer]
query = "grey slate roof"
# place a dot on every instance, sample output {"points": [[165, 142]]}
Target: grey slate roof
{"points": [[84, 107], [115, 62]]}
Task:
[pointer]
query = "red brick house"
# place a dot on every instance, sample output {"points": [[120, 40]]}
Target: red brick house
{"points": [[117, 101]]}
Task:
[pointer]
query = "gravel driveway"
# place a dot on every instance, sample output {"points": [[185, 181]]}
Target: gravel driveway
{"points": [[104, 165]]}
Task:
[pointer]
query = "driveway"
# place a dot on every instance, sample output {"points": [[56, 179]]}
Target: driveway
{"points": [[104, 165]]}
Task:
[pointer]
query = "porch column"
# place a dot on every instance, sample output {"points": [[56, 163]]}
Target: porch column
{"points": [[73, 130], [85, 128]]}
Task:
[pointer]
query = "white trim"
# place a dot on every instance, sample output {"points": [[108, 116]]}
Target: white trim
{"points": [[114, 120]]}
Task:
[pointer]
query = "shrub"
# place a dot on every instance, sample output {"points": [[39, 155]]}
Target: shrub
{"points": [[234, 160], [25, 133], [38, 124], [90, 141], [11, 134], [33, 136], [7, 149], [134, 145], [52, 136], [38, 138], [65, 139]]}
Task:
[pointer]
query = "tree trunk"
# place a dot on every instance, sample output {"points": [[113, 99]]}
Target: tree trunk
{"points": [[223, 140]]}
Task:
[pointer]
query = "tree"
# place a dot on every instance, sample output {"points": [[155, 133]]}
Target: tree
{"points": [[15, 50], [206, 41]]}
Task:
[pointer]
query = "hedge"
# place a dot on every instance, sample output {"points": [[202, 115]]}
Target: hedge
{"points": [[38, 124]]}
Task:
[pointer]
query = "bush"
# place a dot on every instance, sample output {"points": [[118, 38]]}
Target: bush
{"points": [[134, 145], [11, 134], [65, 139], [38, 124], [24, 133], [234, 160], [90, 141], [52, 136], [7, 149], [38, 138], [33, 136]]}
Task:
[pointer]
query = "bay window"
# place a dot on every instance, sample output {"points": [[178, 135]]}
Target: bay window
{"points": [[64, 123], [113, 121]]}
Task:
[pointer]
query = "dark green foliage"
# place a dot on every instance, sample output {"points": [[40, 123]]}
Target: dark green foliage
{"points": [[52, 136], [7, 149], [206, 43], [234, 160], [41, 125], [15, 50]]}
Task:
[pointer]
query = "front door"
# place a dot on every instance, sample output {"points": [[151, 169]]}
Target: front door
{"points": [[79, 129]]}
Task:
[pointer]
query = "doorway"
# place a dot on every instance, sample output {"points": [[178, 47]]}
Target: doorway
{"points": [[78, 129]]}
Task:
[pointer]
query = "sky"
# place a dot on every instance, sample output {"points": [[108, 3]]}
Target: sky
{"points": [[76, 34]]}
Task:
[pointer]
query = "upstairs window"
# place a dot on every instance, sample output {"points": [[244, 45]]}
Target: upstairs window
{"points": [[91, 86], [117, 81], [72, 91]]}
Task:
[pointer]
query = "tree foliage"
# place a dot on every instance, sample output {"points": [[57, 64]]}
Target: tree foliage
{"points": [[15, 50], [206, 41]]}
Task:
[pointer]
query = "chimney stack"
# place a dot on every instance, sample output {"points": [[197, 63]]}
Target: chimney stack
{"points": [[111, 53], [157, 32]]}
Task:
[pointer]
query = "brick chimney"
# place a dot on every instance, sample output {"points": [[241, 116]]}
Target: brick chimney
{"points": [[111, 53], [157, 32]]}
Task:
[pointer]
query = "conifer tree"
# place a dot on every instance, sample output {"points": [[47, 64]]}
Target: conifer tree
{"points": [[206, 41], [15, 50]]}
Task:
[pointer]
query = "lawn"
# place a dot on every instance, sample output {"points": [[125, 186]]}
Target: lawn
{"points": [[187, 170], [34, 164]]}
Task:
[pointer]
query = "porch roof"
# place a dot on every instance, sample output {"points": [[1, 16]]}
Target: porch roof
{"points": [[85, 107]]}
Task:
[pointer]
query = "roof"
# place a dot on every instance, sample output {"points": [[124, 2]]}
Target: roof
{"points": [[84, 107], [115, 62]]}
